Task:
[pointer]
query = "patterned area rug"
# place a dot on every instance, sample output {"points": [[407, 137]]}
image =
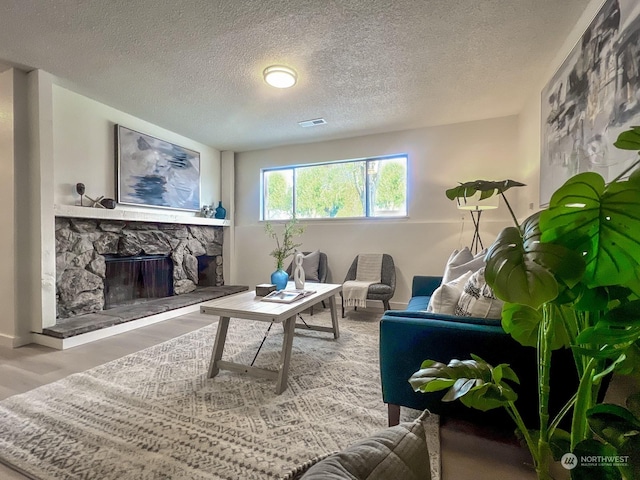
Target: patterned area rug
{"points": [[155, 415]]}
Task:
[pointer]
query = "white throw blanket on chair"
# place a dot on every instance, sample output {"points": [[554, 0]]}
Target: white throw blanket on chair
{"points": [[368, 272]]}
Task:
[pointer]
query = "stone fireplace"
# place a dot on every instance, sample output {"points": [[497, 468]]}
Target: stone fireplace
{"points": [[104, 263]]}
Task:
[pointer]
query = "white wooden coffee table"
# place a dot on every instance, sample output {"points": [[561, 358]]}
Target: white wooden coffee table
{"points": [[247, 306]]}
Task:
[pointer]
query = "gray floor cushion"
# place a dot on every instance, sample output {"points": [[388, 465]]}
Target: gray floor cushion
{"points": [[398, 452]]}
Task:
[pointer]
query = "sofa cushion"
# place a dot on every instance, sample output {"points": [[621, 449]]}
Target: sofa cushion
{"points": [[446, 296], [461, 262], [478, 300], [420, 302], [310, 264], [396, 452], [424, 317]]}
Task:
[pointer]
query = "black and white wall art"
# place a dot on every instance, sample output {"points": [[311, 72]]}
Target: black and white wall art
{"points": [[593, 96], [155, 173]]}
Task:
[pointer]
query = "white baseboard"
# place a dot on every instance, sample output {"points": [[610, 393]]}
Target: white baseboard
{"points": [[10, 341], [6, 341], [377, 305], [64, 343]]}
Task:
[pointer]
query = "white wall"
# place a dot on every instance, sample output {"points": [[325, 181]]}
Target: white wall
{"points": [[529, 118], [420, 244], [36, 218], [7, 211], [83, 136], [530, 150], [13, 154]]}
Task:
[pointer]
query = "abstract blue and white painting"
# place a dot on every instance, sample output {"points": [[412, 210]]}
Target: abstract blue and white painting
{"points": [[155, 173]]}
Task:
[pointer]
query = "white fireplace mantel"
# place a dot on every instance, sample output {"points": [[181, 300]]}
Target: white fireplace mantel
{"points": [[75, 211]]}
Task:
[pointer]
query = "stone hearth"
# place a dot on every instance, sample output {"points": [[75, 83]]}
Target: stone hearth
{"points": [[78, 325], [81, 246]]}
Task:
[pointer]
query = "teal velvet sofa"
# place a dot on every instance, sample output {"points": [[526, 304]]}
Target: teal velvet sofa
{"points": [[407, 337]]}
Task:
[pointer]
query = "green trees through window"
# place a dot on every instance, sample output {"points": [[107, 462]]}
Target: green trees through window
{"points": [[351, 189]]}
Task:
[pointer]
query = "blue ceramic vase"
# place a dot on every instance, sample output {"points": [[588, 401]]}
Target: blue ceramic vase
{"points": [[280, 278], [221, 212]]}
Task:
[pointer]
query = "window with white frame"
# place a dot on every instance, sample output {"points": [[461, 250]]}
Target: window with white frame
{"points": [[372, 187]]}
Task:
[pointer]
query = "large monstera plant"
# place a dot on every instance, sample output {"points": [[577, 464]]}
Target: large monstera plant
{"points": [[570, 277]]}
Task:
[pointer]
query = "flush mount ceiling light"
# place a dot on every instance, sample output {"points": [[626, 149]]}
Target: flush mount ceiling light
{"points": [[279, 76]]}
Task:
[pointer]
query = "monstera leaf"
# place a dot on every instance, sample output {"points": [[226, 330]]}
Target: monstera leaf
{"points": [[592, 448], [619, 327], [601, 223], [629, 140], [620, 429], [522, 269], [475, 382], [523, 322], [487, 189]]}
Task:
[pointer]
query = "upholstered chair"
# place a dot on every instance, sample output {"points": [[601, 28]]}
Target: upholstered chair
{"points": [[382, 291]]}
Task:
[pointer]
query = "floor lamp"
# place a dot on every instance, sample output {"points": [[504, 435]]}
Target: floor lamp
{"points": [[475, 206]]}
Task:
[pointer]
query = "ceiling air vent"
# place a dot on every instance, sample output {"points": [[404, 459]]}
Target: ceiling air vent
{"points": [[313, 123]]}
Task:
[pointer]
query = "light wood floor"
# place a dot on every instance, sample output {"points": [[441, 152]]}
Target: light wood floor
{"points": [[465, 454]]}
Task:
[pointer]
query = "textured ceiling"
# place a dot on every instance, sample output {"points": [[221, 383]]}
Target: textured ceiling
{"points": [[366, 66]]}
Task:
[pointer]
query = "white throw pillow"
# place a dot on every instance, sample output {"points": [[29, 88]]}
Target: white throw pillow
{"points": [[445, 298], [461, 262], [478, 300]]}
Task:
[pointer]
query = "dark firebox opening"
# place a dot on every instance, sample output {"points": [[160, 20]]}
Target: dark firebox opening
{"points": [[131, 280], [207, 271]]}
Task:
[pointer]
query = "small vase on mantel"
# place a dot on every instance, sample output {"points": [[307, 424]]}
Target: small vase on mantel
{"points": [[280, 278], [221, 212]]}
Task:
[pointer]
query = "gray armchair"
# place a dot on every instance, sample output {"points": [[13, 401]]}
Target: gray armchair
{"points": [[382, 291], [322, 268]]}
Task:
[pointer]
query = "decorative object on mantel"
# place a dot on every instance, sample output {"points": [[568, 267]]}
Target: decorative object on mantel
{"points": [[221, 212], [298, 273], [109, 203], [207, 211], [477, 196], [80, 189], [156, 173], [99, 202], [283, 249]]}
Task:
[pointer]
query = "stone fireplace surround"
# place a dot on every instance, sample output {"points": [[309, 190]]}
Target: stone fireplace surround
{"points": [[81, 244]]}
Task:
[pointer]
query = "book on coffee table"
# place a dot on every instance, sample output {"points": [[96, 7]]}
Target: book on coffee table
{"points": [[287, 296]]}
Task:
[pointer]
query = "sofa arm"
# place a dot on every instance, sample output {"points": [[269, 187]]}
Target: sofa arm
{"points": [[406, 342], [424, 286]]}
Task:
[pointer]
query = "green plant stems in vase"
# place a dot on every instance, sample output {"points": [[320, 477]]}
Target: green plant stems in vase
{"points": [[285, 246]]}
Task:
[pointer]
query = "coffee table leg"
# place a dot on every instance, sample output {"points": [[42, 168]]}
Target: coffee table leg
{"points": [[285, 356], [218, 346], [334, 317]]}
